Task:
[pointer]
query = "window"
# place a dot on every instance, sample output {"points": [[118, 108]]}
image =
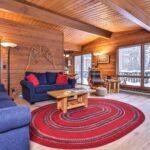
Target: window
{"points": [[129, 68], [134, 65], [147, 65]]}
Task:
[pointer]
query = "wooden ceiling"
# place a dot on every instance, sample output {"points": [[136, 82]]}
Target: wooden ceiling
{"points": [[93, 12], [143, 4]]}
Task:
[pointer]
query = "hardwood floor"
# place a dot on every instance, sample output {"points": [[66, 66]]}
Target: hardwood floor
{"points": [[138, 139]]}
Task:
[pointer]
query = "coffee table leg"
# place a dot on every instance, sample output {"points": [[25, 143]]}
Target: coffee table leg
{"points": [[85, 100], [58, 104], [64, 105]]}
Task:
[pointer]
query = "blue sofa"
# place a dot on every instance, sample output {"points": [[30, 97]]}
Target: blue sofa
{"points": [[14, 124], [47, 83]]}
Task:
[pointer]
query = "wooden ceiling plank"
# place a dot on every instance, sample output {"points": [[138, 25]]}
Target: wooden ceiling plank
{"points": [[131, 11], [71, 47], [50, 17]]}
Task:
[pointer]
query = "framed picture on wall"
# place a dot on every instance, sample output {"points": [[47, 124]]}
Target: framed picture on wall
{"points": [[103, 59]]}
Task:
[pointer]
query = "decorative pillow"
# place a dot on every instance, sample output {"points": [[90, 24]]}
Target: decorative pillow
{"points": [[40, 76], [62, 79], [33, 79]]}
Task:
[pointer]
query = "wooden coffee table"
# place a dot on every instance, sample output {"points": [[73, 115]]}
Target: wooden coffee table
{"points": [[63, 99]]}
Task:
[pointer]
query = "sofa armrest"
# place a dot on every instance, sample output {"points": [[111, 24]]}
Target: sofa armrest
{"points": [[14, 117], [27, 84], [2, 88], [72, 82]]}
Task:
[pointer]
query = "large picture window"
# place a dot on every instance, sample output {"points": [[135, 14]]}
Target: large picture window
{"points": [[134, 65], [147, 65], [130, 65]]}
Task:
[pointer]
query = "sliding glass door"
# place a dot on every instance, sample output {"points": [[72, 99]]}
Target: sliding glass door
{"points": [[86, 64], [77, 67], [82, 65]]}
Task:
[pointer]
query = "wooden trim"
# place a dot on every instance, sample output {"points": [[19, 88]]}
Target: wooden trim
{"points": [[146, 89], [142, 65], [117, 60], [51, 17], [129, 45], [131, 11], [129, 76]]}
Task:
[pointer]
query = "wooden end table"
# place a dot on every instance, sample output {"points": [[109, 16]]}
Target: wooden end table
{"points": [[63, 102], [113, 85]]}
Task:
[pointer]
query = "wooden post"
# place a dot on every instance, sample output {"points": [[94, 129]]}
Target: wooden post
{"points": [[118, 86], [109, 87], [8, 72], [114, 86]]}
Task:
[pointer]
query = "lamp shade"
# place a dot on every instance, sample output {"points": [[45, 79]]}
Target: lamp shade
{"points": [[7, 44]]}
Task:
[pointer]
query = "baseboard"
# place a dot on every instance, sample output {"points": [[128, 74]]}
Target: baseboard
{"points": [[136, 92]]}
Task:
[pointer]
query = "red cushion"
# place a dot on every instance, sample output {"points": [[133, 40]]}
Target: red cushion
{"points": [[62, 79], [33, 79]]}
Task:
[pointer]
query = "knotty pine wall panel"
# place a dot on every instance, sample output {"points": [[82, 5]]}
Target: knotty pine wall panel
{"points": [[110, 47], [26, 37]]}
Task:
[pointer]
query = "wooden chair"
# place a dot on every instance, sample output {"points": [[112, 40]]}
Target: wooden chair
{"points": [[95, 79]]}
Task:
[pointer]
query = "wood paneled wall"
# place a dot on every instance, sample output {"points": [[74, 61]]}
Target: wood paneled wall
{"points": [[26, 37], [110, 47]]}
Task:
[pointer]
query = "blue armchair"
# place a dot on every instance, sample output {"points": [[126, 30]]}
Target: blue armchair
{"points": [[14, 124]]}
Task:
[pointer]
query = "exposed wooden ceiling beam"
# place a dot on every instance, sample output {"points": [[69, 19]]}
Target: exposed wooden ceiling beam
{"points": [[51, 17], [131, 11]]}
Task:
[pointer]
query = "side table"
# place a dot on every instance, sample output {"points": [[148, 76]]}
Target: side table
{"points": [[113, 85]]}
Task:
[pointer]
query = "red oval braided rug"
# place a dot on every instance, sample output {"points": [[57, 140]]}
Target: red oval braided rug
{"points": [[102, 122]]}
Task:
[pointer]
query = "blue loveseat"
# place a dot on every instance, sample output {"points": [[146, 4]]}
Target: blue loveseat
{"points": [[14, 124], [47, 83]]}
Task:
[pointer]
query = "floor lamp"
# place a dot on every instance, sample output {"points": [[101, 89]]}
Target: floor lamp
{"points": [[9, 46]]}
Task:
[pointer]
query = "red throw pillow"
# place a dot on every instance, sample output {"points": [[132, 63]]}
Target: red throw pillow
{"points": [[33, 79], [62, 79]]}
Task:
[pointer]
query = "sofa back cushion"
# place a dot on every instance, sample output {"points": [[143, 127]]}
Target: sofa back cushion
{"points": [[41, 77], [62, 79], [33, 79], [51, 77]]}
